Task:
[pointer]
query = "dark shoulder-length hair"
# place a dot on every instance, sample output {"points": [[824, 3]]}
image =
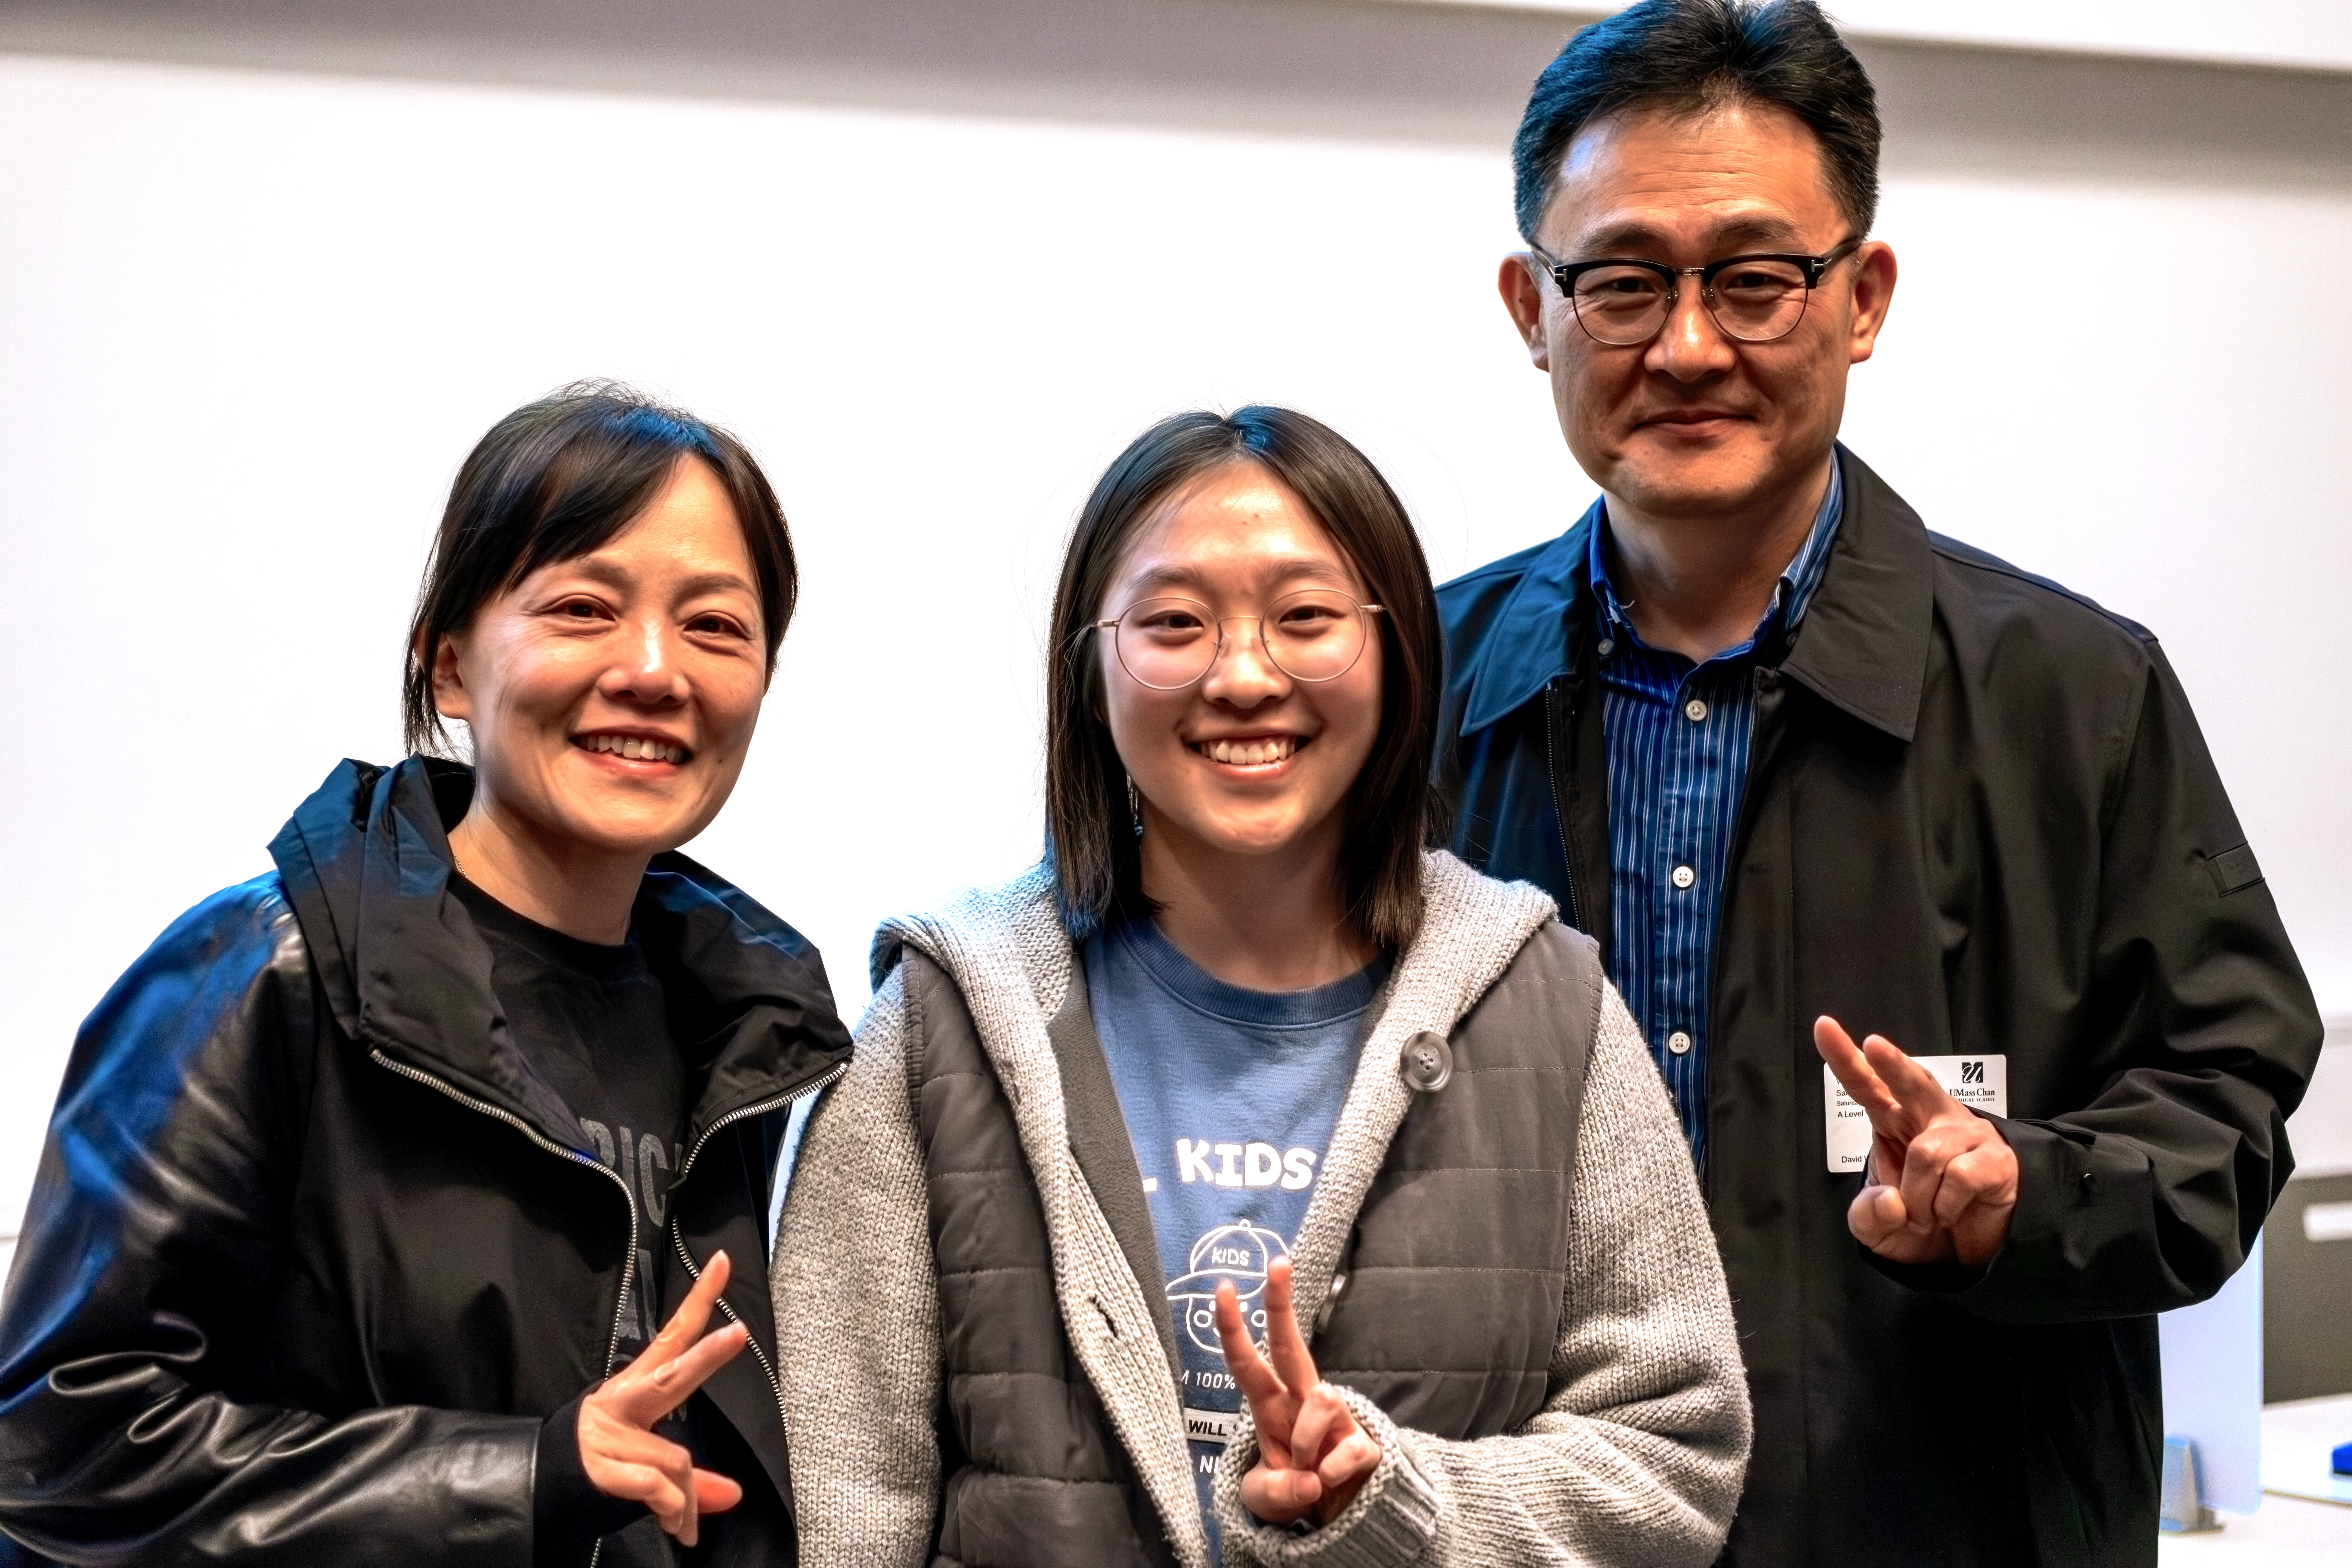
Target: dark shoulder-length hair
{"points": [[1391, 810], [559, 478]]}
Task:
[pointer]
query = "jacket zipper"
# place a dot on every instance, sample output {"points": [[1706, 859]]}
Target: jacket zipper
{"points": [[1559, 809], [678, 1237], [629, 1262]]}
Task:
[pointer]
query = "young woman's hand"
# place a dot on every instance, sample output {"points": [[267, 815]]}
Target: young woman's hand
{"points": [[618, 1449], [1312, 1454]]}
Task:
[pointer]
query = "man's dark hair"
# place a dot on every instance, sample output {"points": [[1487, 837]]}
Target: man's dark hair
{"points": [[1688, 57], [1391, 813], [559, 478]]}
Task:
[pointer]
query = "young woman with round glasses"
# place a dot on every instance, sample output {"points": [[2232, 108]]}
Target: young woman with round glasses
{"points": [[1248, 1181]]}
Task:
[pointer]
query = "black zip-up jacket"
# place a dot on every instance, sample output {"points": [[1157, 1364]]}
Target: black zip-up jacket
{"points": [[316, 1267], [1979, 819]]}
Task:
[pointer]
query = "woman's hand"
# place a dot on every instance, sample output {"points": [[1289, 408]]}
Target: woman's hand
{"points": [[1312, 1455], [617, 1445]]}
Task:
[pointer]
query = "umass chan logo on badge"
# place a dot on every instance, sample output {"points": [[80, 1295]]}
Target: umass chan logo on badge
{"points": [[1240, 1252]]}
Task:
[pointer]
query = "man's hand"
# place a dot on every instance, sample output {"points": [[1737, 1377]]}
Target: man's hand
{"points": [[617, 1445], [1312, 1455], [1956, 1175]]}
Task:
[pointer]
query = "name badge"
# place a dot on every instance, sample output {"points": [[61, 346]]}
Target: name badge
{"points": [[1980, 1083], [1211, 1426]]}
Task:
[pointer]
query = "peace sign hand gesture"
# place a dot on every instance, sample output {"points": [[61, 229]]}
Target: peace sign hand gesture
{"points": [[1955, 1176], [618, 1449], [1313, 1456]]}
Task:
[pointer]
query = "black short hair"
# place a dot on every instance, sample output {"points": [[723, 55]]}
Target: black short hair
{"points": [[1391, 813], [559, 478], [1686, 57]]}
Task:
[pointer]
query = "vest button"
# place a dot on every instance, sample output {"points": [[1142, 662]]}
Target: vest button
{"points": [[1330, 1300], [1428, 1063]]}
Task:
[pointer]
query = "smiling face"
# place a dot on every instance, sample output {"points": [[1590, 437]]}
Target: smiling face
{"points": [[1694, 422], [1248, 760], [612, 697]]}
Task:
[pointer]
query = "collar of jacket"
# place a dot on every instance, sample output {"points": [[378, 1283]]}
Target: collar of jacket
{"points": [[1861, 647], [366, 864]]}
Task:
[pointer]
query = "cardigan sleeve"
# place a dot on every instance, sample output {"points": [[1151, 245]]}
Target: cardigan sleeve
{"points": [[1638, 1453], [857, 1315]]}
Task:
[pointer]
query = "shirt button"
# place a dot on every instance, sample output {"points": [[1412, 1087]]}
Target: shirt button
{"points": [[1695, 710], [1608, 647], [1679, 1043], [1685, 876]]}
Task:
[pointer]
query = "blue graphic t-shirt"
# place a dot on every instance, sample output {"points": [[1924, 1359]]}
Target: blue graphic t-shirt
{"points": [[1230, 1097]]}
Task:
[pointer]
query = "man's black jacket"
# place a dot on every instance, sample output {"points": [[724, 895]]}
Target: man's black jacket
{"points": [[313, 1254], [1979, 819]]}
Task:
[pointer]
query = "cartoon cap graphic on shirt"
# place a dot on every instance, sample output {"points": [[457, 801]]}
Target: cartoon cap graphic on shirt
{"points": [[1240, 1252]]}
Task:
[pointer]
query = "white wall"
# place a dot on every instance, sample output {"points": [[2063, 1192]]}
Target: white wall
{"points": [[2268, 32], [250, 321]]}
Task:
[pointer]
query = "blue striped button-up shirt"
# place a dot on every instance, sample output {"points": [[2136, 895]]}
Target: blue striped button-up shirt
{"points": [[1678, 736]]}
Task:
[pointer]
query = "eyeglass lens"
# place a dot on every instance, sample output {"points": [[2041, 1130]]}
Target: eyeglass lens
{"points": [[1315, 634], [1755, 301]]}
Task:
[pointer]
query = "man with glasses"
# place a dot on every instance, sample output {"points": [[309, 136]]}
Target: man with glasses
{"points": [[1800, 766]]}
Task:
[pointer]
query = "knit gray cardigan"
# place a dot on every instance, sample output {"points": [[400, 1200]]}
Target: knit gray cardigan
{"points": [[1635, 1459]]}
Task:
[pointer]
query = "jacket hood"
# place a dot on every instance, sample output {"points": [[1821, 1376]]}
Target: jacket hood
{"points": [[365, 862], [1863, 645]]}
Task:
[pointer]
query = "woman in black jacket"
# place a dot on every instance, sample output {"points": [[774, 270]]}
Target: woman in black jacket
{"points": [[388, 1195]]}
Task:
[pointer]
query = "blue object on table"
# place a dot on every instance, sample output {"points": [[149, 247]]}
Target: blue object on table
{"points": [[2340, 1461], [2182, 1510]]}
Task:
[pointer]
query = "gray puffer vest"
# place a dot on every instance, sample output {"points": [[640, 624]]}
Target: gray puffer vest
{"points": [[1443, 1309]]}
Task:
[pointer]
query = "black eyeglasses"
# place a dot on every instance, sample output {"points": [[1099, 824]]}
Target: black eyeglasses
{"points": [[1755, 298]]}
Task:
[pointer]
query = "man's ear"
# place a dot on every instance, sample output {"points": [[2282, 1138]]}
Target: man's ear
{"points": [[1873, 290], [1523, 297], [450, 698]]}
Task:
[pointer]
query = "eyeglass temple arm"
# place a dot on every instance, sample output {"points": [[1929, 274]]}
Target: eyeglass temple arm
{"points": [[1816, 264]]}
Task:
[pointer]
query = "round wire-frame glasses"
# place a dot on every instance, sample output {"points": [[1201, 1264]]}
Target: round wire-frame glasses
{"points": [[1169, 644], [1754, 298]]}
